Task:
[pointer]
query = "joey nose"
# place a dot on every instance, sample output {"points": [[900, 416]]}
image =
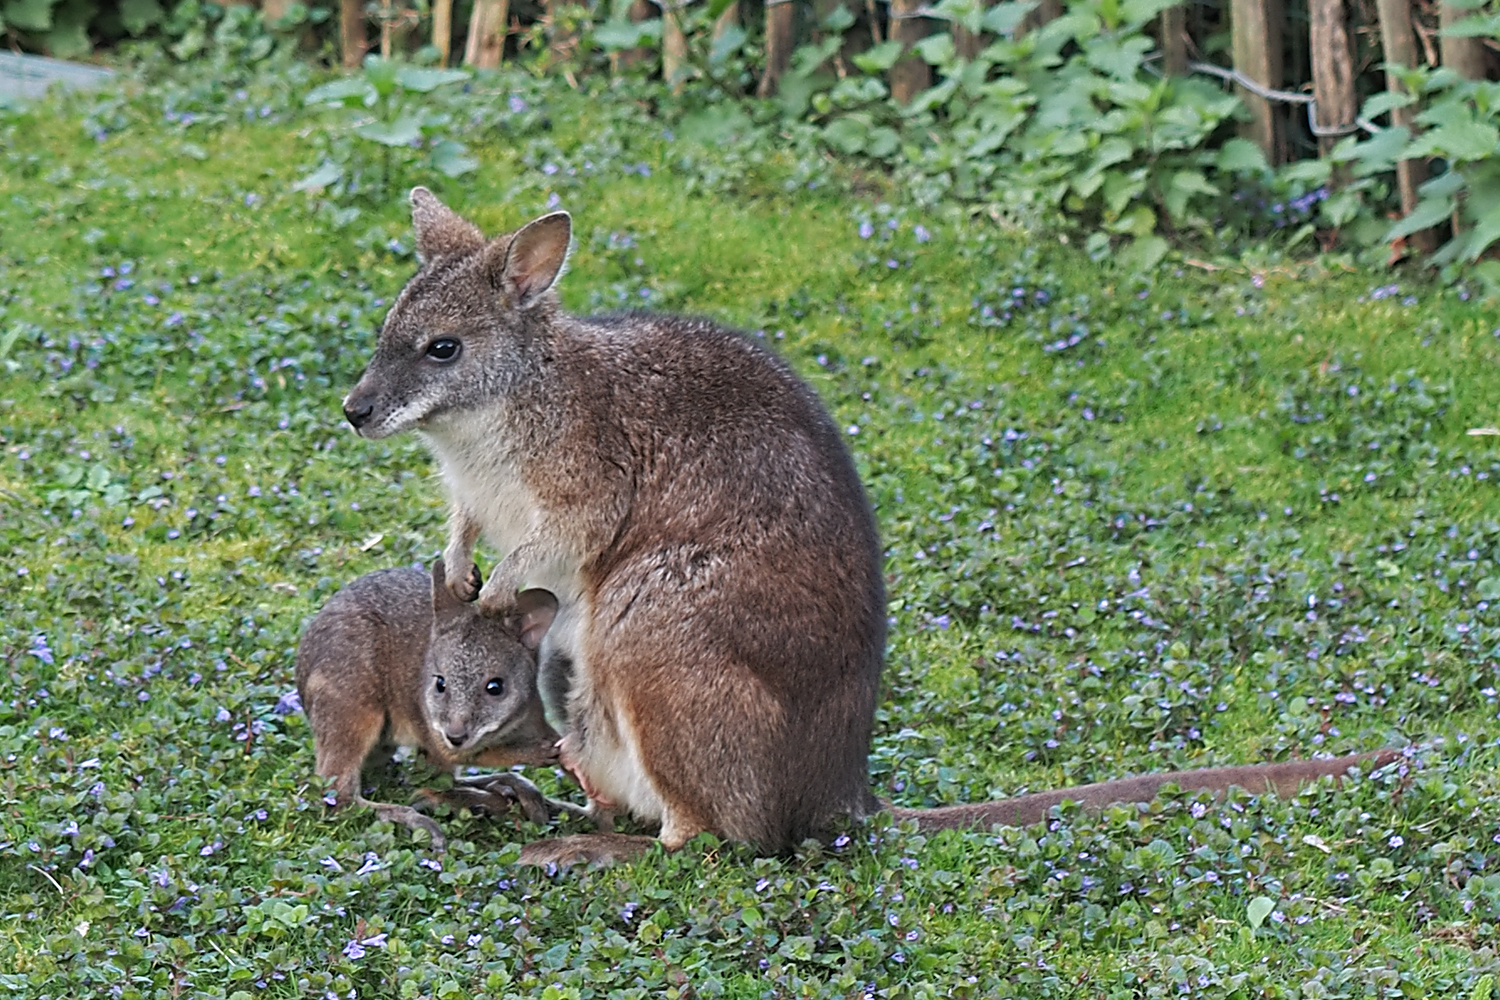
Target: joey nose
{"points": [[357, 413]]}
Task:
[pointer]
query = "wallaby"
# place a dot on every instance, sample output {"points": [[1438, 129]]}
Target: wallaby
{"points": [[717, 649], [394, 659]]}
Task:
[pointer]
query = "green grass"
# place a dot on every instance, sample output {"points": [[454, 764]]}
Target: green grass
{"points": [[1119, 556]]}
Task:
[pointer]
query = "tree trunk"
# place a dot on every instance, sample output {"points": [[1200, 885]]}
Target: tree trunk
{"points": [[1332, 71], [1256, 30], [730, 18], [968, 43], [352, 41], [487, 26], [781, 28], [673, 45], [640, 10], [1465, 56], [442, 29], [854, 42], [1046, 11], [911, 75], [1399, 43], [1174, 36]]}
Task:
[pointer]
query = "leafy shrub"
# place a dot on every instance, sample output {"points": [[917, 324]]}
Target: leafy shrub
{"points": [[385, 109]]}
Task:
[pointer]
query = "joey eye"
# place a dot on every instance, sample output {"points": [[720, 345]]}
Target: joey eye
{"points": [[440, 684], [495, 687], [444, 349]]}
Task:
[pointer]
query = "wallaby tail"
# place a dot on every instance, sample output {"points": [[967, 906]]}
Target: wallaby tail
{"points": [[1023, 810]]}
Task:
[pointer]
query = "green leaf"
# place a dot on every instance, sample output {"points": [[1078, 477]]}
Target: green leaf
{"points": [[1119, 59], [839, 19], [1140, 221], [1488, 589], [342, 91], [1386, 101], [616, 35], [452, 159], [1258, 910], [937, 50], [847, 134], [1473, 27], [883, 143], [9, 338], [1485, 232], [381, 73], [138, 15], [1193, 182], [424, 80], [727, 44], [1458, 142], [714, 124], [69, 37], [1428, 213], [1005, 18], [1240, 156], [29, 15], [401, 132], [879, 58]]}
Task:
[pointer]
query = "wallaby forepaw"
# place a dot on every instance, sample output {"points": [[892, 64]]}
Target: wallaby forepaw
{"points": [[464, 584]]}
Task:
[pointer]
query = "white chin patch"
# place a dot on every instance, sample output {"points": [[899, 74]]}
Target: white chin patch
{"points": [[402, 419]]}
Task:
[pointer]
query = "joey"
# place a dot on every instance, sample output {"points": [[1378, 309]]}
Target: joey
{"points": [[394, 659]]}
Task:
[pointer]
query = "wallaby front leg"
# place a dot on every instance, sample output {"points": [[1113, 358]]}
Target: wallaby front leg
{"points": [[458, 558], [514, 572]]}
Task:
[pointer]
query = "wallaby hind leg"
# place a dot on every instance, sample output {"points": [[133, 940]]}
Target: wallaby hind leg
{"points": [[496, 793]]}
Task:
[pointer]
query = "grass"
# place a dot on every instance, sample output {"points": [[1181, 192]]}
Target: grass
{"points": [[1209, 516]]}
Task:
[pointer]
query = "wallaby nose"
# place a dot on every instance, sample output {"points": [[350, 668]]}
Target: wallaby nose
{"points": [[456, 739], [357, 413]]}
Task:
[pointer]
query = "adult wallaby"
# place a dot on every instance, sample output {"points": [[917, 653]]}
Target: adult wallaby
{"points": [[716, 655], [394, 659]]}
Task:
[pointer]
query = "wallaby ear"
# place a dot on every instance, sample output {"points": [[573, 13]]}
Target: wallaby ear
{"points": [[538, 608], [444, 603], [534, 259], [441, 232]]}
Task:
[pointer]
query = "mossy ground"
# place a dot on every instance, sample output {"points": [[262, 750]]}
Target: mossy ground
{"points": [[1220, 515]]}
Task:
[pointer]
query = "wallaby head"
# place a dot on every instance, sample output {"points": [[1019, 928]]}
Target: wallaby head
{"points": [[481, 673], [465, 330]]}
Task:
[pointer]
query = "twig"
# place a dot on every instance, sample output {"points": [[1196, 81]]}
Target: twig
{"points": [[48, 876]]}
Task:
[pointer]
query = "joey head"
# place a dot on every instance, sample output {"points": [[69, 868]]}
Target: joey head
{"points": [[394, 659], [716, 653]]}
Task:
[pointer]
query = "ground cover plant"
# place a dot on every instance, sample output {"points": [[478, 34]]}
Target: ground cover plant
{"points": [[1225, 512]]}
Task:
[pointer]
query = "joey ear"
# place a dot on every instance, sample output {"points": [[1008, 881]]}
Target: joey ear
{"points": [[538, 608], [441, 232], [444, 602], [534, 259]]}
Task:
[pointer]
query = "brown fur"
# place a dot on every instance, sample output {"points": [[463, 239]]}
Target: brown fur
{"points": [[716, 656], [366, 670]]}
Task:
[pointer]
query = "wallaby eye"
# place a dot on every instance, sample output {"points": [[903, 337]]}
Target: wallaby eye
{"points": [[444, 349], [495, 687], [441, 684]]}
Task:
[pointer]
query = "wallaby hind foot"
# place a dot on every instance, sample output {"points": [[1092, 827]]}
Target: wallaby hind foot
{"points": [[495, 794], [409, 817], [586, 848]]}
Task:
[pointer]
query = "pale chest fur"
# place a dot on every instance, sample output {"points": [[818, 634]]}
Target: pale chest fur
{"points": [[491, 486]]}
